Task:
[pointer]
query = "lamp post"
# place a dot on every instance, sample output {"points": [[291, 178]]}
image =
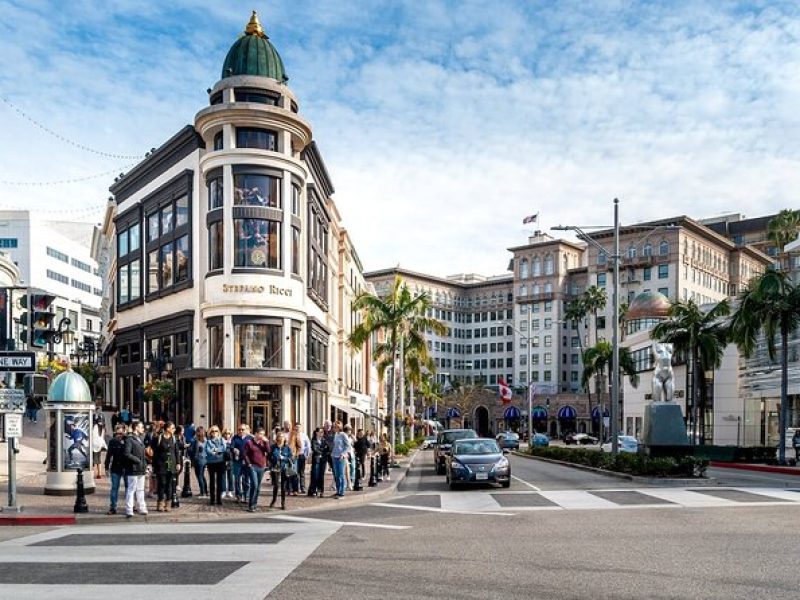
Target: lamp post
{"points": [[63, 333]]}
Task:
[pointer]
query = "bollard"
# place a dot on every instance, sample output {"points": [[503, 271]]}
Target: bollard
{"points": [[372, 480], [186, 492], [80, 499], [378, 477], [175, 502], [357, 487]]}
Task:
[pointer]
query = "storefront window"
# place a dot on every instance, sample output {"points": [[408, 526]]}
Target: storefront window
{"points": [[295, 251], [258, 346], [182, 259], [216, 345], [215, 193], [257, 243], [256, 190], [216, 245]]}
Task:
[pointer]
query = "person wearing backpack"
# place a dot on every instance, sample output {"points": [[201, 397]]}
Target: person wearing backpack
{"points": [[166, 465]]}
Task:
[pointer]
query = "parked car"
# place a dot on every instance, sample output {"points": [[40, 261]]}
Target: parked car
{"points": [[541, 439], [429, 442], [625, 443], [580, 439], [508, 440], [477, 460], [444, 442]]}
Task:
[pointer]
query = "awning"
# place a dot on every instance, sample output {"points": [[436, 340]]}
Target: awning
{"points": [[596, 413], [429, 413], [511, 413], [567, 412], [453, 413], [539, 412]]}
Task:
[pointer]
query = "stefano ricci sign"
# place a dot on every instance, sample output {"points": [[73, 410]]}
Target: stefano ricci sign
{"points": [[236, 288]]}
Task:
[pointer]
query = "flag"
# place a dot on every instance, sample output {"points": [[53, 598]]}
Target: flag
{"points": [[505, 392], [530, 219]]}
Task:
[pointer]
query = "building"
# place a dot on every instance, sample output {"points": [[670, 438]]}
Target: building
{"points": [[232, 274]]}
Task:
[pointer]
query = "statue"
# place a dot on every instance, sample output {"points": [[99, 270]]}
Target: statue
{"points": [[663, 386]]}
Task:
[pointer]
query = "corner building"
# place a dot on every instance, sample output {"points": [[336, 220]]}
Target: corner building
{"points": [[228, 260]]}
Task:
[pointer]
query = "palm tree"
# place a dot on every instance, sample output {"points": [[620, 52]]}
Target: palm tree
{"points": [[575, 313], [782, 229], [597, 363], [702, 336], [770, 305], [594, 301], [402, 318]]}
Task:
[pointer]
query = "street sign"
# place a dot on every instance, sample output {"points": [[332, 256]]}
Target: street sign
{"points": [[12, 400], [13, 425], [18, 362]]}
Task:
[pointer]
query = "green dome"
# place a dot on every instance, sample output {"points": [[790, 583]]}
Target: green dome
{"points": [[69, 387], [253, 54], [648, 305]]}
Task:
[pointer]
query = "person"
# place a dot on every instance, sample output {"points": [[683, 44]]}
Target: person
{"points": [[255, 457], [319, 457], [360, 449], [215, 461], [166, 464], [125, 415], [329, 434], [227, 479], [296, 446], [796, 444], [241, 478], [301, 458], [115, 465], [350, 469], [280, 461], [385, 453], [183, 459], [189, 432], [31, 409], [98, 447], [116, 419], [341, 457], [197, 454], [135, 469]]}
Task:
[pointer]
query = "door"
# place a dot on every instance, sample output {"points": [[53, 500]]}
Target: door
{"points": [[258, 416]]}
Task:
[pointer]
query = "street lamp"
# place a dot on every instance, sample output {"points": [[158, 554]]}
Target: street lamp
{"points": [[63, 333]]}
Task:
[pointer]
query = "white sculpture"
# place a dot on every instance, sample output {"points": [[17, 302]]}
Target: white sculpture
{"points": [[663, 386]]}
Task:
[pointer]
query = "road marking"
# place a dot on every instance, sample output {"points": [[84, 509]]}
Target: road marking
{"points": [[444, 510], [530, 485], [781, 494], [577, 499], [475, 502], [689, 498], [350, 523]]}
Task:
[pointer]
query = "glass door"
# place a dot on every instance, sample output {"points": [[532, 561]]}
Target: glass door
{"points": [[258, 415]]}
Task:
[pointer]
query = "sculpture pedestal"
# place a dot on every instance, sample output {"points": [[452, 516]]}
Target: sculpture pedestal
{"points": [[663, 425]]}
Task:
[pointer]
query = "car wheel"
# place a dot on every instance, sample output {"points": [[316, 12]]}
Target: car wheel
{"points": [[506, 484], [452, 485]]}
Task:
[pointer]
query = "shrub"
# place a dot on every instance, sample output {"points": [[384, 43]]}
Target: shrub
{"points": [[624, 462], [401, 449]]}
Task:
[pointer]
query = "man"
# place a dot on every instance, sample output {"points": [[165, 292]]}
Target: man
{"points": [[135, 468], [796, 444], [328, 433], [360, 447], [302, 458], [239, 470], [341, 457], [115, 464]]}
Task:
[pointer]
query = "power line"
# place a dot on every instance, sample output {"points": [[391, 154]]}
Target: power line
{"points": [[66, 140], [66, 181]]}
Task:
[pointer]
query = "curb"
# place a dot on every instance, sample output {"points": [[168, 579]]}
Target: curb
{"points": [[762, 468], [707, 481], [36, 520]]}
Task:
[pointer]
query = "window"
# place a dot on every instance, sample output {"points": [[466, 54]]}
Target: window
{"points": [[258, 346], [81, 265], [152, 227], [548, 358], [537, 267], [8, 242], [215, 198], [263, 139], [317, 350], [257, 96], [548, 341], [548, 305], [56, 254], [216, 245], [548, 323], [256, 190], [257, 243], [218, 145], [632, 252], [81, 286], [602, 258], [548, 375], [663, 248], [647, 250], [295, 200], [181, 211], [523, 290], [664, 291], [663, 271], [601, 322], [548, 264], [523, 268], [216, 341], [295, 251], [316, 261], [168, 250], [601, 279], [646, 272]]}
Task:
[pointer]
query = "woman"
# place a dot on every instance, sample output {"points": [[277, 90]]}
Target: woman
{"points": [[227, 481], [215, 461], [296, 446], [280, 461], [197, 454], [319, 454], [98, 447], [256, 455], [384, 452], [166, 464]]}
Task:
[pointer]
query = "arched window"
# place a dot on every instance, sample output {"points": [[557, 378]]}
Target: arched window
{"points": [[523, 268], [548, 264], [631, 251], [537, 267], [663, 248], [523, 290], [647, 250], [602, 258]]}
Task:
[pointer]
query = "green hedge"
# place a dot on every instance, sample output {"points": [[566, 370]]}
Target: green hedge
{"points": [[403, 449], [625, 462]]}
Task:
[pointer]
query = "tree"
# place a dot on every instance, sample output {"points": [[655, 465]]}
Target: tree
{"points": [[782, 229], [770, 305], [402, 318], [594, 300], [575, 313], [702, 337]]}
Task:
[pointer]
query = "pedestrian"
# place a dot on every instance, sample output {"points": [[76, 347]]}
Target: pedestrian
{"points": [[197, 454], [329, 433], [350, 470], [98, 447], [183, 458], [319, 456], [796, 444], [360, 449], [116, 419], [341, 457], [31, 409], [166, 464], [115, 465], [384, 453], [241, 478], [280, 467], [227, 480], [296, 446], [215, 462], [189, 432], [135, 469], [256, 458]]}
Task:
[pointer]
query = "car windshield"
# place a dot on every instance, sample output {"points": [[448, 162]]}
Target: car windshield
{"points": [[451, 436], [509, 436], [477, 447]]}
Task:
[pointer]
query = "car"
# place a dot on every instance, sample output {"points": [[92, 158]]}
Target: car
{"points": [[477, 460], [541, 439], [508, 440], [580, 439], [625, 443], [444, 441], [429, 442]]}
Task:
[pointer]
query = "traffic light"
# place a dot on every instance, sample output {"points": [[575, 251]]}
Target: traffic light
{"points": [[36, 325]]}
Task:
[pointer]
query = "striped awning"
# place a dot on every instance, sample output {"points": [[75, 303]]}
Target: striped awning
{"points": [[596, 413], [453, 413], [539, 412], [567, 412], [511, 412]]}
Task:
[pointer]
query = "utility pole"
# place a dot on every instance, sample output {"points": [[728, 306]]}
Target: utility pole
{"points": [[615, 337], [530, 379]]}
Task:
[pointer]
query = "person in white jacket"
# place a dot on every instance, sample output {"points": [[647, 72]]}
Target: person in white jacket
{"points": [[99, 446]]}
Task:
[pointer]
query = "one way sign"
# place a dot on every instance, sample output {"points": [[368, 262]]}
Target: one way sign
{"points": [[18, 362]]}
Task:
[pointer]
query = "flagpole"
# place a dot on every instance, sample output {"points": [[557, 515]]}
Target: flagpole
{"points": [[529, 378]]}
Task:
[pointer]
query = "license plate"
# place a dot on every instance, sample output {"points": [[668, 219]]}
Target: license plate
{"points": [[480, 476]]}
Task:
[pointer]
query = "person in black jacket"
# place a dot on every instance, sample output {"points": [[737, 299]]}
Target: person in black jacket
{"points": [[319, 457], [360, 447], [115, 465], [135, 468], [166, 464]]}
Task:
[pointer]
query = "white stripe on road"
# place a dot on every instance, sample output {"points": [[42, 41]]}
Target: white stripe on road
{"points": [[470, 502], [578, 499], [443, 510], [772, 493], [688, 498], [530, 485], [350, 523]]}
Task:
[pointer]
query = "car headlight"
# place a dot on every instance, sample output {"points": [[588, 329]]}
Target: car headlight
{"points": [[457, 466], [502, 463]]}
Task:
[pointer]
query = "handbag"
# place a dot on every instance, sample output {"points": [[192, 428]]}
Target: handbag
{"points": [[290, 470]]}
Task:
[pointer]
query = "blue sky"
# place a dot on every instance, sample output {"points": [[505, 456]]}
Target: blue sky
{"points": [[442, 123]]}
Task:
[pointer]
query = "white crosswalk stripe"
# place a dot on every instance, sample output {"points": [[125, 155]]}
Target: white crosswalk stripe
{"points": [[576, 499]]}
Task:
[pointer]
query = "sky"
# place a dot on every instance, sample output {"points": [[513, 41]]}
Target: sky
{"points": [[442, 123]]}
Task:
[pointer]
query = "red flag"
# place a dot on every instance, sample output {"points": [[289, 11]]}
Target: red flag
{"points": [[505, 392]]}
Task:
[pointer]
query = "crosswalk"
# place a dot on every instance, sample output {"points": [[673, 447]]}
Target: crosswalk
{"points": [[513, 502], [206, 560]]}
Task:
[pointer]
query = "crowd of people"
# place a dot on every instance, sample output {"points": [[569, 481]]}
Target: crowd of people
{"points": [[148, 460]]}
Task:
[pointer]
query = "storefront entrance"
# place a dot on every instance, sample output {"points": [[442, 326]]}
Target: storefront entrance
{"points": [[258, 415], [258, 406]]}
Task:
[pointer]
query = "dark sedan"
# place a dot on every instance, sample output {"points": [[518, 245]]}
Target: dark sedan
{"points": [[508, 440], [477, 460]]}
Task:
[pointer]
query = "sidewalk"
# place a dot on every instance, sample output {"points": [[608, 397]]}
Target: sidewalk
{"points": [[783, 470]]}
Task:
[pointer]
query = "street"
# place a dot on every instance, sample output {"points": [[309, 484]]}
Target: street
{"points": [[556, 533]]}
